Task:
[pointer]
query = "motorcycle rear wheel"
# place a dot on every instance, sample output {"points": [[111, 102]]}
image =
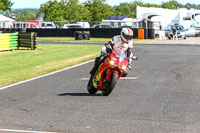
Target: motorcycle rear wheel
{"points": [[111, 84], [90, 86]]}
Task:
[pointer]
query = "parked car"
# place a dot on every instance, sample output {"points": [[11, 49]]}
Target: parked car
{"points": [[124, 26], [57, 26], [68, 26], [195, 26], [192, 32], [47, 25], [181, 33], [101, 26]]}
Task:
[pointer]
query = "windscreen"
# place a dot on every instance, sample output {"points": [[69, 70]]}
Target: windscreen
{"points": [[120, 54]]}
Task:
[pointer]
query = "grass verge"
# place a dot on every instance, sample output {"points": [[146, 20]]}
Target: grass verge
{"points": [[20, 65]]}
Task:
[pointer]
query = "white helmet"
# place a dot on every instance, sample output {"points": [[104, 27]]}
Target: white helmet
{"points": [[126, 34]]}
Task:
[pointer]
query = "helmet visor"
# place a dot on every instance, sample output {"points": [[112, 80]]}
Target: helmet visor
{"points": [[127, 37]]}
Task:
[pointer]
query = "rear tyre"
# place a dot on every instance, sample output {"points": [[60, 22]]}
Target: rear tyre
{"points": [[80, 37], [90, 86], [111, 84]]}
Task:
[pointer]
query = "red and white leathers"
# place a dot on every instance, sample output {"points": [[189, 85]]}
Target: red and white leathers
{"points": [[118, 44]]}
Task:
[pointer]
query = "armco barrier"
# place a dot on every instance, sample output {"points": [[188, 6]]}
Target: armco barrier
{"points": [[8, 41], [94, 32], [27, 39]]}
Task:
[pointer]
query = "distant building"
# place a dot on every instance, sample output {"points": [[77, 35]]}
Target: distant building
{"points": [[6, 22], [117, 21], [164, 17]]}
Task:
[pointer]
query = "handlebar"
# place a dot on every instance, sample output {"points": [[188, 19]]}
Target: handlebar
{"points": [[109, 47]]}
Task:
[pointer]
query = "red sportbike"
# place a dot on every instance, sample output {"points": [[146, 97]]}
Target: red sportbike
{"points": [[108, 73]]}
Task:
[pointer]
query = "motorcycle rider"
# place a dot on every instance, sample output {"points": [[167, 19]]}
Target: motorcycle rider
{"points": [[120, 42]]}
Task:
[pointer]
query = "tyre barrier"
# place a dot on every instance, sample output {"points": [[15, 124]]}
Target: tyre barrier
{"points": [[27, 39], [12, 41], [8, 41], [82, 35]]}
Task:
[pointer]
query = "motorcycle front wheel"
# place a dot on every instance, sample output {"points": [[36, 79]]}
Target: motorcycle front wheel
{"points": [[110, 85], [90, 86]]}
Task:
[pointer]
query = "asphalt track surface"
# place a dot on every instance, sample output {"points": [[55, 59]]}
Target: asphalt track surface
{"points": [[164, 98]]}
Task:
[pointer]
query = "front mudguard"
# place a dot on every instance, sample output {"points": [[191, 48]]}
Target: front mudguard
{"points": [[110, 72]]}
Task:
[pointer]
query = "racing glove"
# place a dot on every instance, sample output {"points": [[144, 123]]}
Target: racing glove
{"points": [[105, 54]]}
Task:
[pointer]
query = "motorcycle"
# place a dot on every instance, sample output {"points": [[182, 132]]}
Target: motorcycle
{"points": [[109, 72]]}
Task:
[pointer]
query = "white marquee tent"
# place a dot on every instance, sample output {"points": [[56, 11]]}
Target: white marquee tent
{"points": [[6, 22]]}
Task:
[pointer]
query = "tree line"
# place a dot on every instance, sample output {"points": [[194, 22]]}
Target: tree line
{"points": [[91, 10]]}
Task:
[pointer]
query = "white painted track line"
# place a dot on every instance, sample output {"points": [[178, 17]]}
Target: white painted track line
{"points": [[5, 87], [124, 78], [23, 131]]}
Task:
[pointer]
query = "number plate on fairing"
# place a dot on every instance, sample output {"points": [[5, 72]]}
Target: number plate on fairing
{"points": [[114, 59]]}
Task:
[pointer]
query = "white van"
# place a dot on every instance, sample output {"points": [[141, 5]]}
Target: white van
{"points": [[84, 24], [77, 25], [69, 26]]}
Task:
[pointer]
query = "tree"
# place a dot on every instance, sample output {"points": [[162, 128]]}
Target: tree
{"points": [[189, 6], [74, 11], [126, 9], [172, 4], [151, 5], [5, 5], [65, 10], [23, 14], [129, 9], [27, 15], [84, 14], [53, 10], [99, 9]]}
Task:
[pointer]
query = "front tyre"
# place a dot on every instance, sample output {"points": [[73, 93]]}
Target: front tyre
{"points": [[112, 82], [90, 86]]}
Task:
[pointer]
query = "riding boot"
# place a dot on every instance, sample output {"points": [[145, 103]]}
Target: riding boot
{"points": [[93, 70], [95, 66], [98, 61]]}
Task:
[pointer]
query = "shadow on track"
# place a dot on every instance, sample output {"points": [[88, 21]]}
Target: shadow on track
{"points": [[78, 94]]}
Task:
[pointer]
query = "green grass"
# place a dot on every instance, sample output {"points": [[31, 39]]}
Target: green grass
{"points": [[71, 39], [20, 65], [102, 40]]}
